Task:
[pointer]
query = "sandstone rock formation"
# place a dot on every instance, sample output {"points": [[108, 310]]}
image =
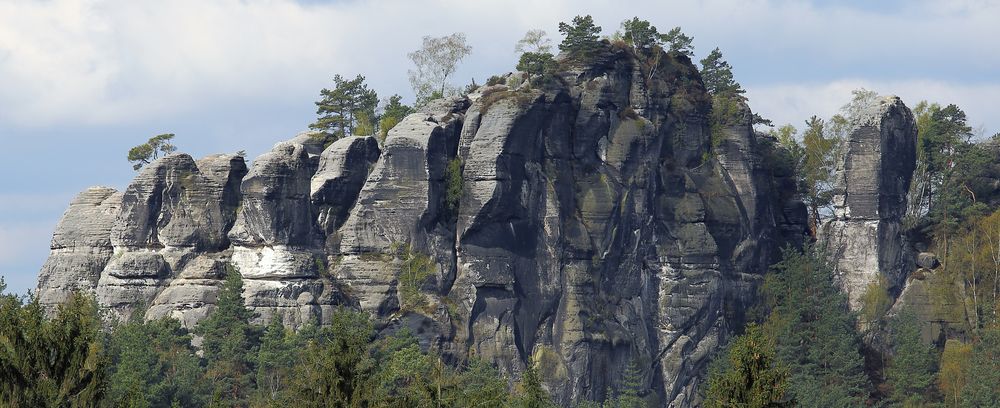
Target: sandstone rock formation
{"points": [[865, 236], [940, 310], [595, 227]]}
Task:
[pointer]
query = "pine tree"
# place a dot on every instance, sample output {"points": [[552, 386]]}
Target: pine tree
{"points": [[392, 113], [814, 332], [530, 392], [582, 39], [145, 153], [631, 387], [339, 108], [717, 75], [153, 364], [483, 385], [911, 370], [536, 63], [229, 343], [334, 364], [48, 363], [275, 362], [678, 42]]}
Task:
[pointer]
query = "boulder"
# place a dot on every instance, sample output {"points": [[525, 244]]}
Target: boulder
{"points": [[927, 260]]}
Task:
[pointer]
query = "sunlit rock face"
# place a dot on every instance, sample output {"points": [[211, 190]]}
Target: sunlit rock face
{"points": [[865, 236], [584, 220]]}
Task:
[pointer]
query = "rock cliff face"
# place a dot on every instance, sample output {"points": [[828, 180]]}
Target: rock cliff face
{"points": [[593, 226], [865, 237]]}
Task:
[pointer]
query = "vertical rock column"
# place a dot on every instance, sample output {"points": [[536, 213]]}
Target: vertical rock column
{"points": [[864, 237]]}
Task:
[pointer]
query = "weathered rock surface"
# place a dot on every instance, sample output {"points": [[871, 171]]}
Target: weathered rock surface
{"points": [[81, 246], [940, 310], [585, 223], [865, 236]]}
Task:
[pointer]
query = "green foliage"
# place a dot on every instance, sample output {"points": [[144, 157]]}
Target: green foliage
{"points": [[145, 153], [50, 363], [717, 75], [392, 113], [640, 34], [454, 188], [875, 303], [434, 63], [484, 385], [415, 269], [726, 111], [275, 361], [62, 362], [153, 365], [334, 364], [537, 64], [814, 161], [678, 42], [984, 371], [911, 370], [814, 332], [817, 169], [530, 393], [631, 387], [582, 39], [340, 109], [751, 375], [495, 80], [972, 257], [953, 375], [365, 125], [229, 343]]}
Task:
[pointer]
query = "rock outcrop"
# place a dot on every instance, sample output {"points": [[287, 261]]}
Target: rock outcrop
{"points": [[865, 237], [583, 220], [942, 313]]}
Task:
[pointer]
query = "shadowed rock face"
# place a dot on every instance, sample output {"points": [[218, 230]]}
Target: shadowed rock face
{"points": [[594, 228], [865, 237]]}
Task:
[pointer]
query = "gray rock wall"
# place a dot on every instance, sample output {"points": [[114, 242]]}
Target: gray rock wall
{"points": [[865, 237], [594, 229]]}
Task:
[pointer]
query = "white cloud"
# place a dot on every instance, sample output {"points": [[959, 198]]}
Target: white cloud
{"points": [[127, 61]]}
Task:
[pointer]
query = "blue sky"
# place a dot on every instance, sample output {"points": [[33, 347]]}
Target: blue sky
{"points": [[81, 81]]}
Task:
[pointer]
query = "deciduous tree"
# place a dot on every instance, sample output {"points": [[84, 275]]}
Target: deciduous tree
{"points": [[434, 63], [953, 374], [535, 41]]}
